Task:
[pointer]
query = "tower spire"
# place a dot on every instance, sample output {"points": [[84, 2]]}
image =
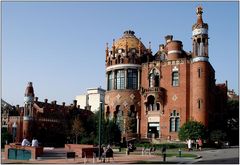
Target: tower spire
{"points": [[113, 47], [139, 46], [199, 11], [107, 50]]}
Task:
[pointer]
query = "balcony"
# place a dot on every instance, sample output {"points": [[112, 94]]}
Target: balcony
{"points": [[146, 91]]}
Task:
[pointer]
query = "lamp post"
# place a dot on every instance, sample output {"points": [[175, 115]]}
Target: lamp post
{"points": [[14, 130], [99, 131]]}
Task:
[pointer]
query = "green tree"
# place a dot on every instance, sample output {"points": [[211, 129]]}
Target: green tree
{"points": [[77, 128], [5, 136], [193, 130]]}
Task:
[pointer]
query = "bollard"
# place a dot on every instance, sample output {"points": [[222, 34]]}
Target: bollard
{"points": [[164, 157], [180, 152]]}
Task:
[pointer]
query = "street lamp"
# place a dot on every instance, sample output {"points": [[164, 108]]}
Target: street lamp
{"points": [[99, 131], [14, 130]]}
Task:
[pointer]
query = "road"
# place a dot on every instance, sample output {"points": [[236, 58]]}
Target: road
{"points": [[219, 156]]}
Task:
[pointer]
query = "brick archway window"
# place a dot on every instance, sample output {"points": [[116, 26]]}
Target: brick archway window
{"points": [[108, 112], [153, 78]]}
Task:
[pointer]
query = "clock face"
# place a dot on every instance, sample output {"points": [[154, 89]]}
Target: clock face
{"points": [[199, 31]]}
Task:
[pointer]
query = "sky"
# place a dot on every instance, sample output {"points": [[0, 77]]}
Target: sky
{"points": [[60, 46]]}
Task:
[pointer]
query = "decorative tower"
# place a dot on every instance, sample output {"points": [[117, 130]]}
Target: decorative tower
{"points": [[123, 70], [200, 37], [201, 70], [28, 110]]}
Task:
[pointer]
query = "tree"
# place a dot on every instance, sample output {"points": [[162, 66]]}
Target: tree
{"points": [[192, 130], [77, 128], [5, 137]]}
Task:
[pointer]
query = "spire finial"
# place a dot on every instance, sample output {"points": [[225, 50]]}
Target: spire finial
{"points": [[106, 49], [113, 42], [126, 45], [199, 11], [113, 47], [107, 45], [149, 45], [139, 46]]}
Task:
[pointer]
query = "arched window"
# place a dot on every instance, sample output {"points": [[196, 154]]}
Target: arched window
{"points": [[199, 72], [108, 112], [174, 121], [121, 60], [175, 78], [199, 103], [153, 78], [132, 112], [150, 103], [116, 111], [118, 61], [158, 106], [120, 79]]}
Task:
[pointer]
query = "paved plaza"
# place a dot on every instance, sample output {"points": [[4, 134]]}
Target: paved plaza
{"points": [[223, 156]]}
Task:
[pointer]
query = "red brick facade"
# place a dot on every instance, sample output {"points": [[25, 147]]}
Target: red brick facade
{"points": [[168, 88]]}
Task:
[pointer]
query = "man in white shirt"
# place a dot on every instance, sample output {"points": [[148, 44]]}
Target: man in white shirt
{"points": [[25, 142], [34, 142]]}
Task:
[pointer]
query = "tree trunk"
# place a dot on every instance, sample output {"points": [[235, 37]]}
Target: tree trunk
{"points": [[76, 140]]}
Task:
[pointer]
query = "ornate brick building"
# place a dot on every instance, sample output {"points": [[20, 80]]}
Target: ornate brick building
{"points": [[47, 121], [152, 95]]}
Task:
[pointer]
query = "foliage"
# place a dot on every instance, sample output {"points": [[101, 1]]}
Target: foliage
{"points": [[193, 130], [77, 128], [5, 136], [159, 146], [217, 135], [112, 133]]}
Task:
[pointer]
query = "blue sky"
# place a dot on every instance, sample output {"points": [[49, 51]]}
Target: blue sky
{"points": [[60, 46]]}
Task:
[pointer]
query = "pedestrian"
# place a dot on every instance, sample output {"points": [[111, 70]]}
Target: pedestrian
{"points": [[189, 143], [164, 154], [200, 143], [34, 142], [25, 142]]}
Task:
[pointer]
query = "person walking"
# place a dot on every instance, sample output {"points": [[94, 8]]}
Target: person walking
{"points": [[34, 142], [189, 143], [200, 143], [25, 142]]}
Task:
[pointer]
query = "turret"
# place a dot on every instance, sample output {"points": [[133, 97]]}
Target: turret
{"points": [[200, 70], [200, 37], [28, 109], [123, 79]]}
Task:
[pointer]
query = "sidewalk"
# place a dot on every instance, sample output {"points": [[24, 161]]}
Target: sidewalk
{"points": [[118, 159]]}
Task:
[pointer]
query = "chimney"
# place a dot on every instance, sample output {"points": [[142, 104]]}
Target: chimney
{"points": [[36, 99], [63, 104], [75, 103], [45, 101], [54, 102], [17, 106], [161, 47], [78, 106], [168, 38], [88, 107]]}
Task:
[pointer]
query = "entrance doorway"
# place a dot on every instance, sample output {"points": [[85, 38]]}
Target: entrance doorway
{"points": [[153, 130]]}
